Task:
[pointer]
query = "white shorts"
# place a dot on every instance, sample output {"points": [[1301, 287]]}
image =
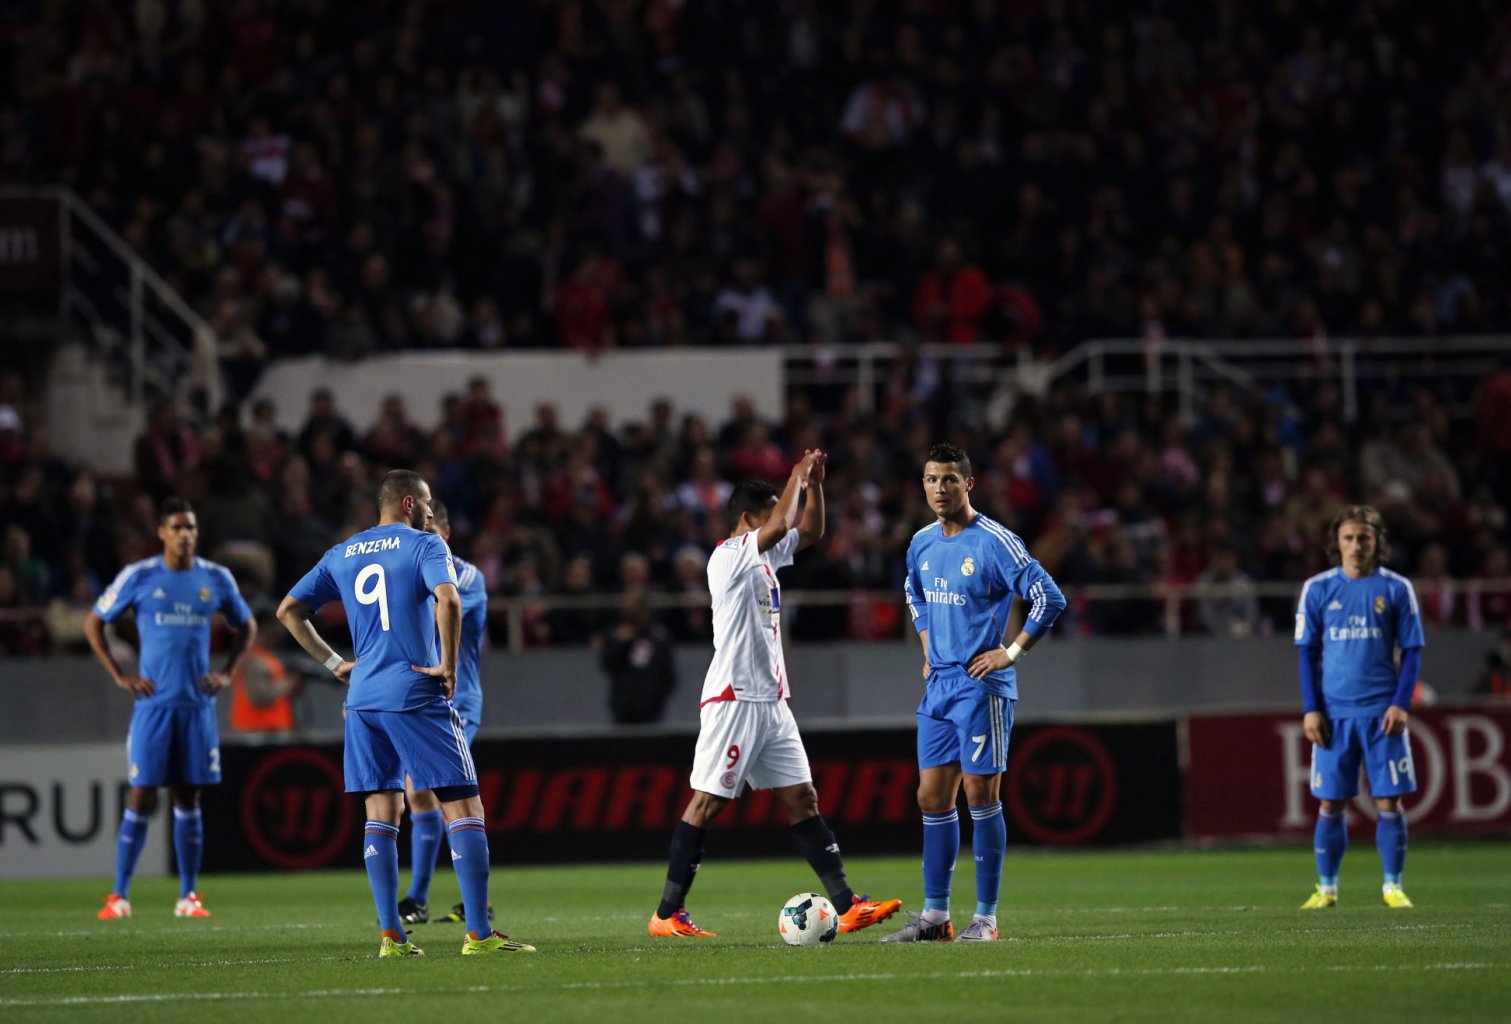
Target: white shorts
{"points": [[748, 742]]}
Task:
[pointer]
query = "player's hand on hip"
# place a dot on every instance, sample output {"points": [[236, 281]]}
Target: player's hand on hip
{"points": [[927, 668], [1395, 720], [987, 662], [1314, 725], [214, 682], [447, 679], [137, 686], [343, 671]]}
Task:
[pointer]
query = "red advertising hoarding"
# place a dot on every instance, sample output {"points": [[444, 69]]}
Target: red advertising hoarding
{"points": [[618, 797], [1247, 775]]}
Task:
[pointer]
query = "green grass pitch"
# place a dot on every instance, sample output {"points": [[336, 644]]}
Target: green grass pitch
{"points": [[1130, 936]]}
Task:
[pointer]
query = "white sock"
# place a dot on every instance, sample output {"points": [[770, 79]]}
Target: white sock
{"points": [[1330, 890], [934, 916], [990, 920]]}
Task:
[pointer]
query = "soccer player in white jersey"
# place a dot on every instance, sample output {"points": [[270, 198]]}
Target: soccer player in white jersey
{"points": [[173, 740], [1349, 622], [963, 571], [748, 735]]}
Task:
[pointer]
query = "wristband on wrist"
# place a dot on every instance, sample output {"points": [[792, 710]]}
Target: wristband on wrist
{"points": [[1015, 653], [332, 662]]}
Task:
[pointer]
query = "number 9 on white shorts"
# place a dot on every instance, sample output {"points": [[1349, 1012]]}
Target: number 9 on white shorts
{"points": [[747, 742]]}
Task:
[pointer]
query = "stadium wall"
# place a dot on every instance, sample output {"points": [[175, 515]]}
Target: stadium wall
{"points": [[850, 683], [624, 383]]}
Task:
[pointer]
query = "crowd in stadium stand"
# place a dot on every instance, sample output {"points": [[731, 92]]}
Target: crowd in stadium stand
{"points": [[351, 178], [344, 179], [1106, 488]]}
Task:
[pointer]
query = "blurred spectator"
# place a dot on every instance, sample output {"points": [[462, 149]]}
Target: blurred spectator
{"points": [[637, 656], [167, 449], [1235, 613], [952, 298], [263, 689]]}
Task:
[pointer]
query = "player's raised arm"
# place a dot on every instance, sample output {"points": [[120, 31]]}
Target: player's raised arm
{"points": [[810, 528], [784, 513]]}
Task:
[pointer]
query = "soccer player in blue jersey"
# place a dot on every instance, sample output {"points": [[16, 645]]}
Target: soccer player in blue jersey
{"points": [[963, 571], [173, 740], [399, 589], [1349, 622], [424, 808]]}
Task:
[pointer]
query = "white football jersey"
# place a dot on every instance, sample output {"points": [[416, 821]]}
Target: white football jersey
{"points": [[747, 607]]}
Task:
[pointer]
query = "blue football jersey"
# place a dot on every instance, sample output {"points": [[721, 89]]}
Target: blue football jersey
{"points": [[469, 684], [961, 590], [1358, 624], [385, 577], [173, 612]]}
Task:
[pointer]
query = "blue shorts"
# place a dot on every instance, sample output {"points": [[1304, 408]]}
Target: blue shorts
{"points": [[469, 723], [426, 743], [170, 746], [1387, 760], [960, 720]]}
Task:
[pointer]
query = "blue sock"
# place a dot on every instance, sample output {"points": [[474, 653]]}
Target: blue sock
{"points": [[188, 847], [941, 845], [989, 837], [1329, 843], [380, 855], [128, 849], [425, 843], [469, 858], [1390, 837]]}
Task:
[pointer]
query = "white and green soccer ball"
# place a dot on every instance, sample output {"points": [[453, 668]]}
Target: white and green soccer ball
{"points": [[808, 919]]}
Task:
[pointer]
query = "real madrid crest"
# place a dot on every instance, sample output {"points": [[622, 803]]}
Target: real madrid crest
{"points": [[1380, 604], [204, 593], [968, 567]]}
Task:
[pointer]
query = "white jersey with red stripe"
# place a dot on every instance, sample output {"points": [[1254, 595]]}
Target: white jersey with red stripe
{"points": [[747, 606]]}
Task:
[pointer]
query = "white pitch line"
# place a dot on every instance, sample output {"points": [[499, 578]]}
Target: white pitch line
{"points": [[92, 968], [1021, 939], [172, 929], [824, 979]]}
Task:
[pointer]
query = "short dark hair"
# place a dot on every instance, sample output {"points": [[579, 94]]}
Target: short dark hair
{"points": [[397, 485], [752, 496], [439, 513], [1370, 518], [172, 507], [944, 452]]}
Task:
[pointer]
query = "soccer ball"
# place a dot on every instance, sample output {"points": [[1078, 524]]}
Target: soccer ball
{"points": [[808, 919]]}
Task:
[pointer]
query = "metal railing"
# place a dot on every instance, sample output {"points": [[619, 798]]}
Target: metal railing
{"points": [[152, 343], [1189, 368], [1171, 606]]}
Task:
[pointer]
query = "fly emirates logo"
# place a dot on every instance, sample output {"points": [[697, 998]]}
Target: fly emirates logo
{"points": [[1358, 628], [941, 594], [183, 614]]}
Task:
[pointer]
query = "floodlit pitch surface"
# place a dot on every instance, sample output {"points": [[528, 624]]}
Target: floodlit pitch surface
{"points": [[1157, 936]]}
